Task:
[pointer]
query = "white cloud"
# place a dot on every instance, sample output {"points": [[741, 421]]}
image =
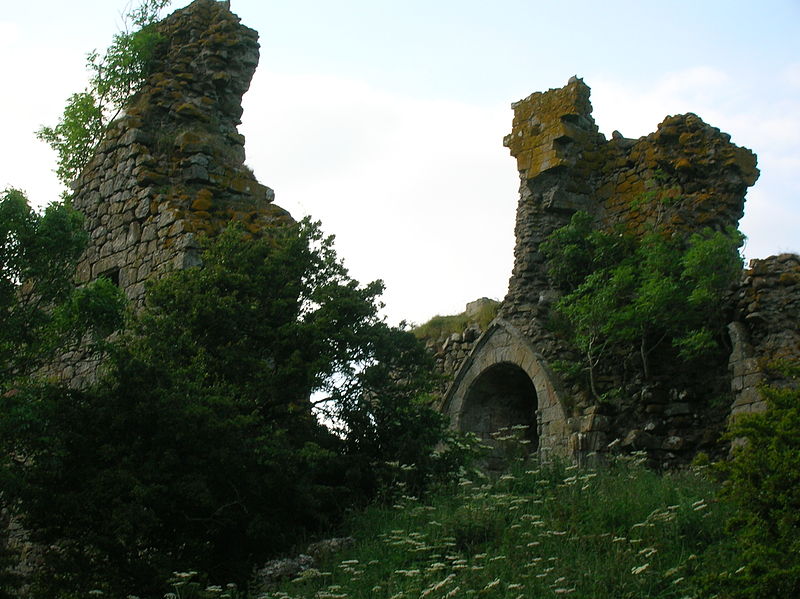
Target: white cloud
{"points": [[791, 75], [9, 34], [691, 80], [635, 110], [37, 81], [419, 193]]}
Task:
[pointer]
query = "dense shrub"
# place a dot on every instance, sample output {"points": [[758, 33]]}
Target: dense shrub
{"points": [[763, 482], [200, 448], [658, 295]]}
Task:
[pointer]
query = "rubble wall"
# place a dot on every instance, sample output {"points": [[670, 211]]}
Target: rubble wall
{"points": [[170, 169], [682, 178], [766, 331]]}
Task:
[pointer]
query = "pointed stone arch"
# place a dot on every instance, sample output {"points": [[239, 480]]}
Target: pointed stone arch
{"points": [[505, 376]]}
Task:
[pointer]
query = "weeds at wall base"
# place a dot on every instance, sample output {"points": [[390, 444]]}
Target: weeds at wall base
{"points": [[536, 531]]}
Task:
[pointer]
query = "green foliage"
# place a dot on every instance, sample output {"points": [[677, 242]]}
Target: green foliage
{"points": [[538, 531], [444, 326], [76, 135], [763, 482], [200, 448], [579, 249], [395, 442], [40, 313], [115, 77], [40, 309], [651, 293]]}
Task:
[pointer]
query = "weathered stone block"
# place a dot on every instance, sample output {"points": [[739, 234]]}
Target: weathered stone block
{"points": [[638, 439], [673, 443], [678, 409], [594, 422]]}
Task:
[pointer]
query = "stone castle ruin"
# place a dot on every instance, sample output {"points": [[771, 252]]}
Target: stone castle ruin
{"points": [[171, 169], [684, 177]]}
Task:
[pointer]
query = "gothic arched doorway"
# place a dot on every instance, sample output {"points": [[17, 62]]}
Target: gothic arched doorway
{"points": [[500, 408]]}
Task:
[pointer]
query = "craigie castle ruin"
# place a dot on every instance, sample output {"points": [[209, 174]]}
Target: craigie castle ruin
{"points": [[684, 177], [172, 168]]}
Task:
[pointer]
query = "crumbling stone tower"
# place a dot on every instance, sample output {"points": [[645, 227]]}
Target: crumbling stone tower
{"points": [[171, 168], [683, 177]]}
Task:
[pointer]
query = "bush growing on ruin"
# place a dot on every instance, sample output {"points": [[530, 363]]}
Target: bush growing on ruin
{"points": [[114, 78], [443, 326], [41, 311], [624, 295], [763, 482]]}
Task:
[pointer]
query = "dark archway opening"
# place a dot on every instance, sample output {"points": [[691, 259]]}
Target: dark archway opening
{"points": [[500, 408]]}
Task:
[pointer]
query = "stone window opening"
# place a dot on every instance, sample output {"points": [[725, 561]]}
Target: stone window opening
{"points": [[112, 275]]}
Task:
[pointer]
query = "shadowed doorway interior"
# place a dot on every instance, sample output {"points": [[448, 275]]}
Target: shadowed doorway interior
{"points": [[500, 405]]}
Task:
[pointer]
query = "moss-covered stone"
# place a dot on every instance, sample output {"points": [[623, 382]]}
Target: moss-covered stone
{"points": [[171, 166]]}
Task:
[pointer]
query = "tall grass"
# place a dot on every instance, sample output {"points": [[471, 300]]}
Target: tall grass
{"points": [[537, 531], [444, 326]]}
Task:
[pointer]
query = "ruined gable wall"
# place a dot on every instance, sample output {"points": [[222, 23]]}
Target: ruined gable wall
{"points": [[171, 168], [682, 178]]}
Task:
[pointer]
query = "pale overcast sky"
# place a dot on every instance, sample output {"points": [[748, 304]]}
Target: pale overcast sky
{"points": [[385, 119]]}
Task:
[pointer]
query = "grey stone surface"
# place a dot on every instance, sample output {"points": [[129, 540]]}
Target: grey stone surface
{"points": [[566, 165], [171, 170]]}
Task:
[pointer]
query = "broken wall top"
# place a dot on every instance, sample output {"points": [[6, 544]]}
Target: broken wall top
{"points": [[684, 176], [172, 166]]}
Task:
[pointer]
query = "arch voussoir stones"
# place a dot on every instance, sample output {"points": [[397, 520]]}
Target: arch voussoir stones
{"points": [[504, 382]]}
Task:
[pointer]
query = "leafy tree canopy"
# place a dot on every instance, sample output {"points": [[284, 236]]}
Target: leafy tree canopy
{"points": [[114, 78], [200, 449], [652, 293], [41, 311]]}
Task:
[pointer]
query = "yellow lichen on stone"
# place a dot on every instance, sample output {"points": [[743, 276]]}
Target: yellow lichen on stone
{"points": [[550, 129]]}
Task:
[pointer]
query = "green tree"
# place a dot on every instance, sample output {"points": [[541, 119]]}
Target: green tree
{"points": [[114, 78], [575, 251], [394, 442], [651, 293], [41, 310], [763, 483], [201, 450], [41, 313]]}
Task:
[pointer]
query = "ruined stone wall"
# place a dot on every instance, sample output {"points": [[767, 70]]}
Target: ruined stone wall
{"points": [[168, 171], [450, 352], [171, 168], [685, 176], [766, 330], [552, 137]]}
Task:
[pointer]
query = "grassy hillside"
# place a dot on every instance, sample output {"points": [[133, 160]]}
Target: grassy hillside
{"points": [[537, 531]]}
